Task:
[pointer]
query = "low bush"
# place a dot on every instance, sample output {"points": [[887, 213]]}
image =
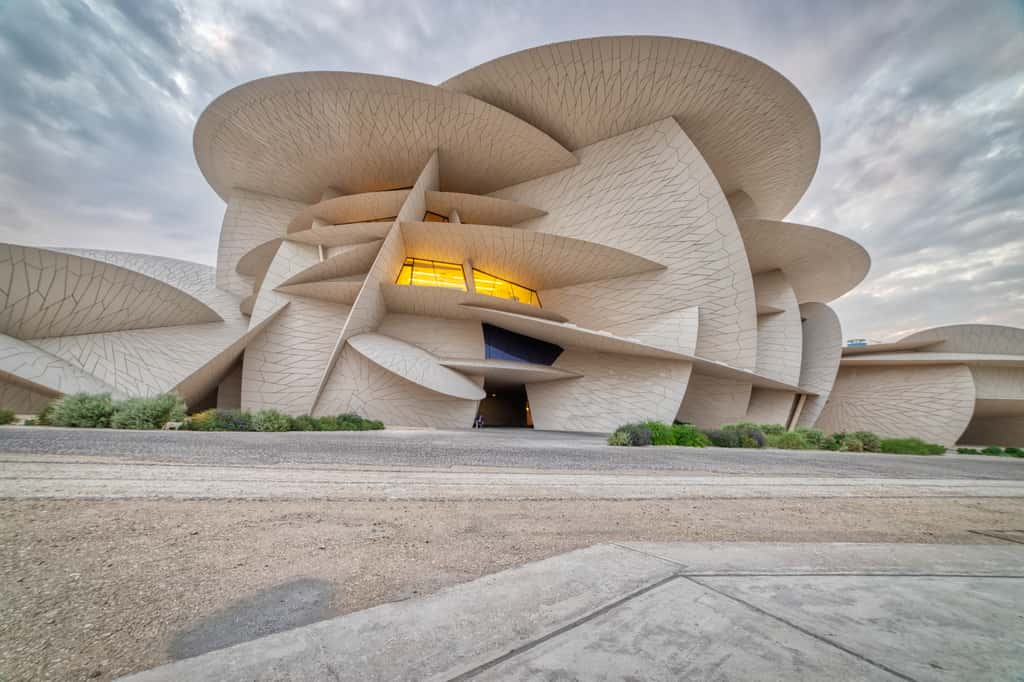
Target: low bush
{"points": [[750, 436], [661, 433], [1014, 452], [83, 410], [690, 436], [202, 421], [851, 444], [721, 438], [7, 417], [353, 422], [766, 429], [303, 423], [271, 420], [220, 420], [636, 435], [814, 438], [787, 440], [147, 413], [992, 450], [869, 441], [45, 418], [968, 451], [910, 446]]}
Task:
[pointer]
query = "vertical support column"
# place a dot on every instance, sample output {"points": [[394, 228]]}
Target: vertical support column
{"points": [[794, 419], [467, 272]]}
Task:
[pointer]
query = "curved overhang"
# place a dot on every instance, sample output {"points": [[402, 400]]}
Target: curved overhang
{"points": [[755, 129], [972, 338], [48, 293], [538, 260], [295, 135], [820, 265], [414, 364], [351, 208]]}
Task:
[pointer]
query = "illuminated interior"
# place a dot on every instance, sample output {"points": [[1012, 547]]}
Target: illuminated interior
{"points": [[431, 217], [431, 273], [495, 286]]}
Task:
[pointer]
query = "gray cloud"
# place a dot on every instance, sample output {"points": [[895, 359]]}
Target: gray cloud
{"points": [[919, 103]]}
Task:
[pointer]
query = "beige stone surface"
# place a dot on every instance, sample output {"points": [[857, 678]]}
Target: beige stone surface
{"points": [[768, 406], [932, 403], [822, 343], [650, 192], [712, 401], [481, 210], [415, 365], [755, 129], [779, 334], [294, 135]]}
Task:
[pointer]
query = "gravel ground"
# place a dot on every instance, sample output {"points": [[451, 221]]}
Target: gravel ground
{"points": [[97, 589], [486, 448]]}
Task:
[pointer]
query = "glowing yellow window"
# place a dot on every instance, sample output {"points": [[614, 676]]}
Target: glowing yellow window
{"points": [[431, 217], [431, 273], [490, 285]]}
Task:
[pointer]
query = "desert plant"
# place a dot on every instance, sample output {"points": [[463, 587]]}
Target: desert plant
{"points": [[271, 420], [813, 437], [968, 451], [7, 417], [834, 441], [303, 423], [852, 444], [202, 421], [638, 434], [619, 438], [86, 410], [721, 438], [1014, 452], [45, 416], [233, 420], [147, 413], [870, 441], [992, 450], [661, 433], [689, 435], [787, 440], [910, 446], [769, 429], [750, 436]]}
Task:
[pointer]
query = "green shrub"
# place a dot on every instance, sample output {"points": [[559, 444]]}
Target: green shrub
{"points": [[202, 421], [723, 439], [1014, 452], [7, 417], [968, 451], [869, 441], [661, 433], [910, 446], [220, 420], [637, 434], [769, 429], [619, 438], [750, 436], [992, 450], [787, 440], [45, 418], [303, 423], [851, 444], [271, 420], [690, 436], [813, 437], [31, 422], [834, 441], [353, 422], [86, 410], [147, 413]]}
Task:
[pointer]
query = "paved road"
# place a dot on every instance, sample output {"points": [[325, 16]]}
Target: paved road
{"points": [[675, 611], [47, 476], [517, 448]]}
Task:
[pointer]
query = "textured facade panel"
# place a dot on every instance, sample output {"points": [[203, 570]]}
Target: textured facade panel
{"points": [[822, 351], [251, 219], [42, 372], [712, 401], [932, 403], [451, 339], [613, 390], [779, 335], [22, 399], [366, 389], [753, 126], [50, 293], [415, 365], [770, 407], [295, 135], [649, 192], [972, 338], [480, 210], [998, 383]]}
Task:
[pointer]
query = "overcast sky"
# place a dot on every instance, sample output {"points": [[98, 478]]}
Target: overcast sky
{"points": [[921, 108]]}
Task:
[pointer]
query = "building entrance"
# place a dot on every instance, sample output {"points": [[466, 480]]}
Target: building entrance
{"points": [[505, 405]]}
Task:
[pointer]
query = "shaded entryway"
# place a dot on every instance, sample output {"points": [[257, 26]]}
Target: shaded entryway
{"points": [[505, 405]]}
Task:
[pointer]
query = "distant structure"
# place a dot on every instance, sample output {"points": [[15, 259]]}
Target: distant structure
{"points": [[962, 383], [570, 237]]}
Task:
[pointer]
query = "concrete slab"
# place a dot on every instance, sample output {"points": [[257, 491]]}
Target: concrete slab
{"points": [[672, 611], [837, 558], [427, 636]]}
